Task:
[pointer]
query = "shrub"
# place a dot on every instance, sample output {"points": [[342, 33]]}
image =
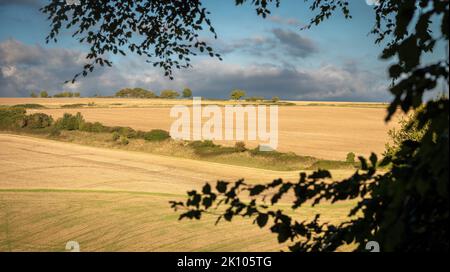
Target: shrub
{"points": [[124, 131], [240, 146], [71, 106], [43, 94], [38, 120], [12, 117], [93, 127], [33, 94], [208, 148], [187, 93], [28, 106], [124, 140], [237, 94], [70, 122], [275, 99], [115, 136], [135, 93], [350, 157], [55, 132], [169, 94], [156, 135], [255, 98]]}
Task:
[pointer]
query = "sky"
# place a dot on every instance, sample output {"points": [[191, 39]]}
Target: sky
{"points": [[335, 61]]}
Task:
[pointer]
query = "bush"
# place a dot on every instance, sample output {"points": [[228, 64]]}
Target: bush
{"points": [[237, 94], [156, 135], [43, 94], [275, 99], [135, 93], [55, 132], [70, 122], [240, 146], [125, 131], [187, 93], [12, 118], [169, 94], [93, 127], [350, 157], [115, 136], [71, 106], [38, 120], [254, 98], [124, 140], [29, 106]]}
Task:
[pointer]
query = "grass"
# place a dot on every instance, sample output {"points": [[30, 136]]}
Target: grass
{"points": [[29, 106], [45, 220]]}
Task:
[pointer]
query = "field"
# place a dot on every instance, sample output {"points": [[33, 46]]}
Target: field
{"points": [[112, 200], [107, 199], [326, 130]]}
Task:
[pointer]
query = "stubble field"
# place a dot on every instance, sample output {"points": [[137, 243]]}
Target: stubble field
{"points": [[114, 200]]}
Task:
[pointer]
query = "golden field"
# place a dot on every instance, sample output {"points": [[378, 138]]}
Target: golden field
{"points": [[326, 130], [106, 199]]}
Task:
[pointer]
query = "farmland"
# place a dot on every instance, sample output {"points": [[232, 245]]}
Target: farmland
{"points": [[116, 199]]}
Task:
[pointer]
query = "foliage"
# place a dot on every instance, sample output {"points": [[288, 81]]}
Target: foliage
{"points": [[72, 106], [124, 140], [169, 94], [240, 146], [275, 99], [70, 122], [208, 148], [96, 127], [135, 93], [187, 92], [405, 208], [12, 118], [124, 131], [237, 94], [43, 94], [409, 131], [29, 106], [254, 98], [156, 135], [115, 136], [54, 132], [38, 120], [33, 94], [350, 158]]}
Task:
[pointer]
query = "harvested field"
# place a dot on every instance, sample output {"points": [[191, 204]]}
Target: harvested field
{"points": [[111, 200], [326, 130]]}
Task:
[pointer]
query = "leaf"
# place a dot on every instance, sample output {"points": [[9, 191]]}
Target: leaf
{"points": [[262, 219]]}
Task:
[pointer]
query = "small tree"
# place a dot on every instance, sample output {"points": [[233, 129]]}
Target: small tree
{"points": [[237, 94], [77, 94], [33, 94], [187, 93], [169, 94], [350, 157], [275, 99], [43, 94]]}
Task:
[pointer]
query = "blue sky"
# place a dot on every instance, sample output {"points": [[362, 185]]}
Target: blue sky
{"points": [[337, 60]]}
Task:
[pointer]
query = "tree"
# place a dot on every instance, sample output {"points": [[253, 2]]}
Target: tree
{"points": [[33, 94], [187, 93], [76, 94], [403, 208], [237, 94], [169, 94], [350, 157], [43, 94], [135, 93]]}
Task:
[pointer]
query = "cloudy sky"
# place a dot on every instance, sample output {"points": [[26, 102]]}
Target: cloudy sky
{"points": [[334, 61]]}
